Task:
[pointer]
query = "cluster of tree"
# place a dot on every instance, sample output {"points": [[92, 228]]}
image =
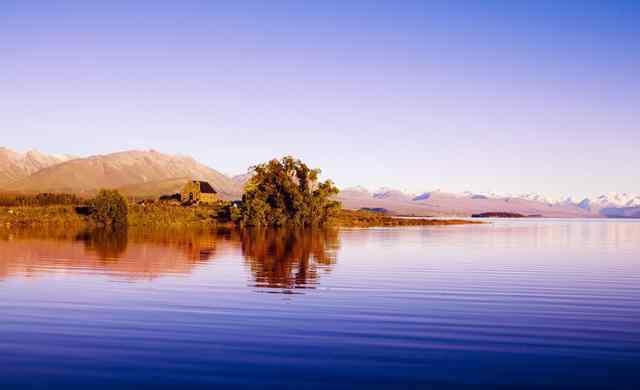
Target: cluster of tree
{"points": [[286, 192], [44, 199], [109, 208]]}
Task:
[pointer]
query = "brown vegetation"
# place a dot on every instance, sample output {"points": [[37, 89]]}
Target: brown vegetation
{"points": [[170, 215], [40, 216], [44, 199]]}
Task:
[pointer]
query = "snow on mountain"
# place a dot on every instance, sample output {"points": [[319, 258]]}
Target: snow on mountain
{"points": [[618, 199], [357, 190], [539, 198], [438, 202], [610, 200], [390, 193], [484, 195]]}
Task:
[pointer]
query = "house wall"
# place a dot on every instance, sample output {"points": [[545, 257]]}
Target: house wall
{"points": [[194, 188], [208, 198], [189, 188]]}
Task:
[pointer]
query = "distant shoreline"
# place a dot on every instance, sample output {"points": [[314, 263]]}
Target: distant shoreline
{"points": [[501, 214]]}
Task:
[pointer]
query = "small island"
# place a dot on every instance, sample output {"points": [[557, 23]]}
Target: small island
{"points": [[502, 214]]}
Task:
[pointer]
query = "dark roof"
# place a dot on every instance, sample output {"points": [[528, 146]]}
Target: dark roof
{"points": [[206, 188]]}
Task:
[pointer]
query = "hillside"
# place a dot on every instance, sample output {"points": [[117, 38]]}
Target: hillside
{"points": [[154, 189], [145, 169], [15, 166]]}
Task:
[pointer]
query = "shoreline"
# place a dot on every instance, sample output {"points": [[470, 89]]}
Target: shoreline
{"points": [[173, 216]]}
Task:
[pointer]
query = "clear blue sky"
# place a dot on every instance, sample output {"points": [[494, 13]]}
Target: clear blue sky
{"points": [[509, 96]]}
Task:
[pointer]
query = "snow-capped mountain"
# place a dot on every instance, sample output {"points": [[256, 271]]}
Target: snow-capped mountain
{"points": [[357, 190], [619, 199], [438, 202], [610, 200], [539, 198], [390, 193]]}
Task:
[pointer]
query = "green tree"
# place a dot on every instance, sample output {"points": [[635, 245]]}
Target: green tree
{"points": [[109, 208], [287, 191]]}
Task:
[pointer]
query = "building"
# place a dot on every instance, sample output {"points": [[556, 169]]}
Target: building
{"points": [[198, 191]]}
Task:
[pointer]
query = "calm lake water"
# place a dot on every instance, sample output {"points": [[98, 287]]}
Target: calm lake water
{"points": [[537, 303]]}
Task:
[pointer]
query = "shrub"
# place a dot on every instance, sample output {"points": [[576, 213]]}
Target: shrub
{"points": [[169, 198], [109, 208], [287, 192]]}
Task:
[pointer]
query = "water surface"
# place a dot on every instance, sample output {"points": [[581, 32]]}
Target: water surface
{"points": [[522, 303]]}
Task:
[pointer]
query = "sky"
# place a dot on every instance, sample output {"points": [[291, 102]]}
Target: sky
{"points": [[504, 96]]}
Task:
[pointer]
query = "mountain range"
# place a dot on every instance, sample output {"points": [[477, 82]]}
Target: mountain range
{"points": [[439, 203], [151, 174]]}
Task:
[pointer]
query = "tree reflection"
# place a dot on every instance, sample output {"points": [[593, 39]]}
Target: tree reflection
{"points": [[288, 258], [108, 244], [277, 258]]}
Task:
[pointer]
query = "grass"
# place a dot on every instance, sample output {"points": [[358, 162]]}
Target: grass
{"points": [[163, 215]]}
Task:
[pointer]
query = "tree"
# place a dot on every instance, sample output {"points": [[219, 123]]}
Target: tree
{"points": [[109, 208], [287, 191]]}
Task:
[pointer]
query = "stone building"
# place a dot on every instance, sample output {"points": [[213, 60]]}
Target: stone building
{"points": [[196, 191]]}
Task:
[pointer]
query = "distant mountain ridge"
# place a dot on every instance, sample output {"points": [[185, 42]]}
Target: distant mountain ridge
{"points": [[15, 166], [613, 199]]}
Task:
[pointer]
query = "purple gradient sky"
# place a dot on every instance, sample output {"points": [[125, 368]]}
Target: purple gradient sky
{"points": [[539, 96]]}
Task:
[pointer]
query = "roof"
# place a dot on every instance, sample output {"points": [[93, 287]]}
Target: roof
{"points": [[206, 188]]}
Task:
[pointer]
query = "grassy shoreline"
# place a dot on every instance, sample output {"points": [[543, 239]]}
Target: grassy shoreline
{"points": [[158, 215]]}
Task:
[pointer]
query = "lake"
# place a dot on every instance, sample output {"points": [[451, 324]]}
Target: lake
{"points": [[522, 303]]}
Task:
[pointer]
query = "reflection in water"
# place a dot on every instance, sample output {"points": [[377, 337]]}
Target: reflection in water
{"points": [[277, 258], [106, 243], [282, 258], [132, 254], [510, 304]]}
